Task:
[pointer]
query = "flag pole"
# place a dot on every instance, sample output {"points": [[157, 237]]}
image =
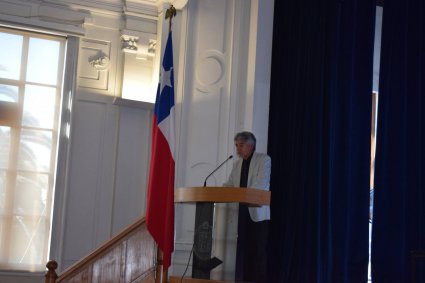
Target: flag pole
{"points": [[161, 275]]}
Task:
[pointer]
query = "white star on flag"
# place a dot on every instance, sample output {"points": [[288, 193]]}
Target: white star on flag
{"points": [[165, 78]]}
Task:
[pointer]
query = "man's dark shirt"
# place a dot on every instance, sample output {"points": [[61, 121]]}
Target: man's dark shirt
{"points": [[244, 172]]}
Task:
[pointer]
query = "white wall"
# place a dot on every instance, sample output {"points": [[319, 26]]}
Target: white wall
{"points": [[222, 51]]}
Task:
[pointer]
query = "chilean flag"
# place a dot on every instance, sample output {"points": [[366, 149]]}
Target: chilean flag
{"points": [[160, 206]]}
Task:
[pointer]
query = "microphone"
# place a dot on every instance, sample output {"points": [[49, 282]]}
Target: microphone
{"points": [[228, 158]]}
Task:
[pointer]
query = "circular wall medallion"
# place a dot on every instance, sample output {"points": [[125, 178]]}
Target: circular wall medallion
{"points": [[210, 71]]}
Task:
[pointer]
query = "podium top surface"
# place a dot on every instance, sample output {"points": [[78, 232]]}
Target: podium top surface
{"points": [[248, 196]]}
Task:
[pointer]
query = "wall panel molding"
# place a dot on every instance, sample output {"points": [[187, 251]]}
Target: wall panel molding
{"points": [[91, 50]]}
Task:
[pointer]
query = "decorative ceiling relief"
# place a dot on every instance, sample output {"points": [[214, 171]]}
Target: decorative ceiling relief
{"points": [[99, 63], [129, 43]]}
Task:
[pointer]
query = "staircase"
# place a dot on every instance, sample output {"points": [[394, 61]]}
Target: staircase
{"points": [[129, 257]]}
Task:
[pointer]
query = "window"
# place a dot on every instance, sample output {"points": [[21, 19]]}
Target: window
{"points": [[31, 73]]}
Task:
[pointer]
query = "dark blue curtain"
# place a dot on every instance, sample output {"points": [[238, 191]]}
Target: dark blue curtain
{"points": [[399, 206], [319, 140]]}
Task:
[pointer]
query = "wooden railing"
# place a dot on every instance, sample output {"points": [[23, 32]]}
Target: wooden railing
{"points": [[130, 256]]}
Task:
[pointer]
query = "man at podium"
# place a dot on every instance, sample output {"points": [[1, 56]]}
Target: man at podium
{"points": [[251, 170]]}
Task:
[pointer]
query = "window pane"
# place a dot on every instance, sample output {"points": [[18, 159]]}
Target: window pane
{"points": [[8, 93], [31, 194], [31, 231], [4, 147], [34, 150], [43, 59], [39, 106], [10, 55]]}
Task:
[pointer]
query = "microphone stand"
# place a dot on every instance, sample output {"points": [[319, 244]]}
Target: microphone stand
{"points": [[215, 170]]}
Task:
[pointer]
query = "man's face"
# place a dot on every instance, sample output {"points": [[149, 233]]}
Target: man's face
{"points": [[243, 148]]}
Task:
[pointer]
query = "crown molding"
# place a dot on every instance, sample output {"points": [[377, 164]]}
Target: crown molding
{"points": [[46, 17]]}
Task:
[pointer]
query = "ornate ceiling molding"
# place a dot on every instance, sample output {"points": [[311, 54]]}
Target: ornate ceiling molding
{"points": [[44, 16], [129, 43]]}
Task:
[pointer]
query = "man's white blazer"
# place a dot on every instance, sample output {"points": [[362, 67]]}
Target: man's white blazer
{"points": [[258, 178]]}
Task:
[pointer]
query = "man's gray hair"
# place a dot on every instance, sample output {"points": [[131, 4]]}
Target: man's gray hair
{"points": [[247, 137]]}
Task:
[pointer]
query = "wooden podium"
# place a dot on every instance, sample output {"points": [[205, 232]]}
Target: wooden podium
{"points": [[248, 196], [205, 197]]}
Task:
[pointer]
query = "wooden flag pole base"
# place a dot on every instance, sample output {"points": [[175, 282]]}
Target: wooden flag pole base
{"points": [[161, 275]]}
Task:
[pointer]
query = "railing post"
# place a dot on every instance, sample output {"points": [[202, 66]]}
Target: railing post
{"points": [[51, 275]]}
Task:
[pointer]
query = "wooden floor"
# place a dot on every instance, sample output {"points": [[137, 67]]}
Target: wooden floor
{"points": [[175, 279]]}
